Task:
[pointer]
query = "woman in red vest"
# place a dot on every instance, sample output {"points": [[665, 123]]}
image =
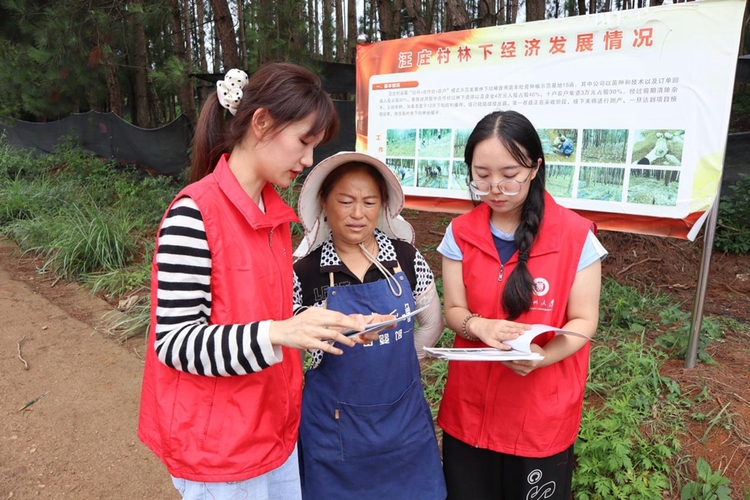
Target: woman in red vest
{"points": [[221, 395], [516, 259]]}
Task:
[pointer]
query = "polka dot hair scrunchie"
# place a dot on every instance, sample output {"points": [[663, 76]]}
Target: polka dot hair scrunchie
{"points": [[229, 90]]}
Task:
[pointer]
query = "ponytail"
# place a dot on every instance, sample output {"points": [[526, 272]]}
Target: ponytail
{"points": [[208, 141]]}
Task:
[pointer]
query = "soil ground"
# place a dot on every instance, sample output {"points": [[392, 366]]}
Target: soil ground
{"points": [[70, 393]]}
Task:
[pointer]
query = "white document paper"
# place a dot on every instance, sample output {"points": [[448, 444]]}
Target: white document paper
{"points": [[523, 343], [375, 327], [480, 354], [520, 347]]}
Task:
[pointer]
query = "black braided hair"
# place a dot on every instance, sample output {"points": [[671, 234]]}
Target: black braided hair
{"points": [[520, 138]]}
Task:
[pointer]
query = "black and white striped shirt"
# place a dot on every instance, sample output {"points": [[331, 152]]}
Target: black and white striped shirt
{"points": [[184, 339]]}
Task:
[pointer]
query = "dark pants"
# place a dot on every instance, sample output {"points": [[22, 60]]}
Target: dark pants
{"points": [[478, 474]]}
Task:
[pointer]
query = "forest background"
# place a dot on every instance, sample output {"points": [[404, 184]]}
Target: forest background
{"points": [[139, 58]]}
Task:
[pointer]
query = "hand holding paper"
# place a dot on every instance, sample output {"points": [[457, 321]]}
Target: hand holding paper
{"points": [[383, 324], [520, 347], [523, 343]]}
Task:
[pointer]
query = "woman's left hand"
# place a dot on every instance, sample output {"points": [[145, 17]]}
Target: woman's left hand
{"points": [[524, 367]]}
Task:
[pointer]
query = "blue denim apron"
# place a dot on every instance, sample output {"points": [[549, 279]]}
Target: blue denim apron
{"points": [[366, 428]]}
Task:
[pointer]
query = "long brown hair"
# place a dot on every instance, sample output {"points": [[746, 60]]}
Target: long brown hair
{"points": [[287, 91]]}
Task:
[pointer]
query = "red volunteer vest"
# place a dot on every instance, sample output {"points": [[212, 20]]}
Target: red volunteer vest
{"points": [[485, 404], [220, 429]]}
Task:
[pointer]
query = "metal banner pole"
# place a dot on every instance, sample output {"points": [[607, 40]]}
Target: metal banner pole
{"points": [[695, 323]]}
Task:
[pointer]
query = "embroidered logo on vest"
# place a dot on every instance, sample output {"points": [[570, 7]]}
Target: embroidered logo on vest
{"points": [[541, 287]]}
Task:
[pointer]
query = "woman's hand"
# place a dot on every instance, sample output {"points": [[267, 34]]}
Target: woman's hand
{"points": [[373, 335], [493, 331], [524, 367], [316, 328]]}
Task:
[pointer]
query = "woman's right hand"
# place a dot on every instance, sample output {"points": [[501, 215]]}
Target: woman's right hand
{"points": [[316, 328], [373, 335], [494, 331]]}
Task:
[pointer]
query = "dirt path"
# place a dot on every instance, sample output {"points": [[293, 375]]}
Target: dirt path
{"points": [[78, 440]]}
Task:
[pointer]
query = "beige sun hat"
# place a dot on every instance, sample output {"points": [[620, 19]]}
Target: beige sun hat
{"points": [[311, 211]]}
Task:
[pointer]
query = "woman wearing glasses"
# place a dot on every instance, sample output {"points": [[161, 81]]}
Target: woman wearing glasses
{"points": [[516, 259]]}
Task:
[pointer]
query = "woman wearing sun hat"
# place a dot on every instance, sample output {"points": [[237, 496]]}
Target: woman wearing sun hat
{"points": [[366, 428]]}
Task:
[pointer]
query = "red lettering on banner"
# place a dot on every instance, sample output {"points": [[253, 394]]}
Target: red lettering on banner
{"points": [[508, 49], [585, 42], [532, 47], [404, 60], [486, 52], [558, 45], [643, 36], [613, 40], [443, 55], [464, 53], [423, 57]]}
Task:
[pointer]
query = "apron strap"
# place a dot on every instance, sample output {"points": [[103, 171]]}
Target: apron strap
{"points": [[393, 283]]}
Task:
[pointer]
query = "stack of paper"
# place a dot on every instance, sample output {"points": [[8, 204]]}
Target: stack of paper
{"points": [[480, 354], [520, 348]]}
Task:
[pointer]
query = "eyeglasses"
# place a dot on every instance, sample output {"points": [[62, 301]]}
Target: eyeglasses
{"points": [[509, 187]]}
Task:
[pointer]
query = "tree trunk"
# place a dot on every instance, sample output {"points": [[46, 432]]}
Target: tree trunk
{"points": [[156, 114], [340, 38], [241, 33], [291, 33], [487, 14], [416, 17], [535, 10], [430, 14], [185, 91], [113, 87], [188, 38], [372, 22], [265, 17], [224, 27], [512, 12], [312, 14], [398, 8], [457, 18], [204, 89], [389, 15], [327, 26], [744, 49], [140, 61], [200, 15], [581, 7], [217, 49], [351, 31]]}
